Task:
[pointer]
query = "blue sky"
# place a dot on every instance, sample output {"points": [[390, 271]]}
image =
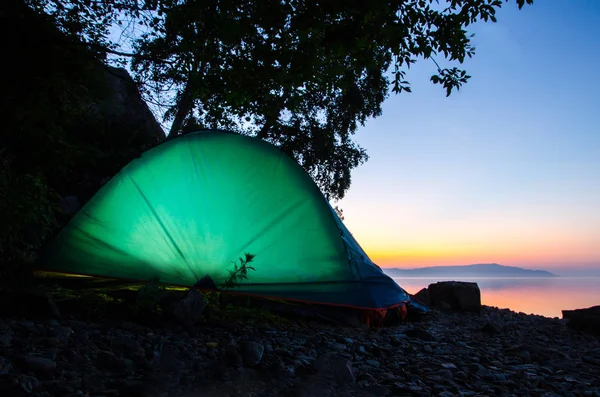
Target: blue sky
{"points": [[505, 170]]}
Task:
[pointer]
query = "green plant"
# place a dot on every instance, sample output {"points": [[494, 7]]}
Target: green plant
{"points": [[29, 211], [239, 272], [213, 300], [215, 306]]}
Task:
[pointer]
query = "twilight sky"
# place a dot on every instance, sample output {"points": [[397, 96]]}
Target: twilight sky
{"points": [[507, 169]]}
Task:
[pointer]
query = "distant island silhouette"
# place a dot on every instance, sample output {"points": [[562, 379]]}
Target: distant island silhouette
{"points": [[476, 270]]}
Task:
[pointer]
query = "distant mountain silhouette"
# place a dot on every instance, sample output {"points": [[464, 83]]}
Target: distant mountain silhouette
{"points": [[477, 270]]}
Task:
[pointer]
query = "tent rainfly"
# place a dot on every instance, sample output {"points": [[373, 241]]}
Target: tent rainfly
{"points": [[192, 205]]}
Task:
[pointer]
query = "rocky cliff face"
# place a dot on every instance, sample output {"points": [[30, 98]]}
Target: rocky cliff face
{"points": [[68, 117], [123, 108]]}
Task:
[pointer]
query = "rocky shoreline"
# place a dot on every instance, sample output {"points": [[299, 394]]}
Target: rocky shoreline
{"points": [[494, 353]]}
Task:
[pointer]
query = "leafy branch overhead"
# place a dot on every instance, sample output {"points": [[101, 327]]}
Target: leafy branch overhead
{"points": [[300, 74]]}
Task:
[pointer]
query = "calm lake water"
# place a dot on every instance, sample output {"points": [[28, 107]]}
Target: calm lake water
{"points": [[545, 296]]}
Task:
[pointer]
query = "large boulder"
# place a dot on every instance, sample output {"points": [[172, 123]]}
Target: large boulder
{"points": [[586, 320], [116, 120], [123, 109], [422, 296], [67, 117], [455, 295]]}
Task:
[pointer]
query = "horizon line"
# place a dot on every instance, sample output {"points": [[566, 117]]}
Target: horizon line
{"points": [[550, 267]]}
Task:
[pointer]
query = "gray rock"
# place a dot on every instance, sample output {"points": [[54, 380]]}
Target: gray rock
{"points": [[6, 366], [233, 358], [124, 106], [378, 390], [62, 334], [28, 383], [373, 363], [93, 383], [5, 340], [124, 344], [252, 353], [492, 327], [336, 368], [482, 371], [39, 364], [189, 309], [418, 333], [123, 366], [337, 346], [455, 295], [445, 373], [206, 283], [422, 296], [168, 361], [498, 377], [587, 320]]}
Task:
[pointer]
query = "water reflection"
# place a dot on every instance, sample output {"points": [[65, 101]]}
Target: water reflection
{"points": [[546, 296]]}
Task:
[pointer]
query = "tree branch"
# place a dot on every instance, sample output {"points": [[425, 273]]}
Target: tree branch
{"points": [[272, 118], [100, 47]]}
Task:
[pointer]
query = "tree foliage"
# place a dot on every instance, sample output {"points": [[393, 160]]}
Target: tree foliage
{"points": [[300, 74]]}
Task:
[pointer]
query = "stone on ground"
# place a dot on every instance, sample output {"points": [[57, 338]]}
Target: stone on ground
{"points": [[455, 295]]}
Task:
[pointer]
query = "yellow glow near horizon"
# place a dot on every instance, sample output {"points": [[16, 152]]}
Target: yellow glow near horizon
{"points": [[516, 239], [549, 255], [468, 248]]}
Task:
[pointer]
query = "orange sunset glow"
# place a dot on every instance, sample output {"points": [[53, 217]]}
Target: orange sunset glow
{"points": [[397, 241]]}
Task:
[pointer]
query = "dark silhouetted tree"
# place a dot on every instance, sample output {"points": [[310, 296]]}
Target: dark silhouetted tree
{"points": [[301, 74]]}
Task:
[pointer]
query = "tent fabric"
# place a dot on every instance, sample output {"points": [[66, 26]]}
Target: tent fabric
{"points": [[191, 206]]}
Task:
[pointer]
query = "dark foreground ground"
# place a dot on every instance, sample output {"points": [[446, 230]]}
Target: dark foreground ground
{"points": [[80, 351]]}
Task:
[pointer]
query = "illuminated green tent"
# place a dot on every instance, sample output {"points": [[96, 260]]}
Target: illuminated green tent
{"points": [[193, 205]]}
